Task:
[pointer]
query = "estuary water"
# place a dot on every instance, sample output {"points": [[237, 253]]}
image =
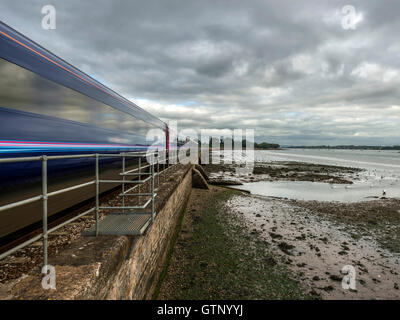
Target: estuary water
{"points": [[381, 174]]}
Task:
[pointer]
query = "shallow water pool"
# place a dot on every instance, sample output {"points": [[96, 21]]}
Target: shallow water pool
{"points": [[305, 190]]}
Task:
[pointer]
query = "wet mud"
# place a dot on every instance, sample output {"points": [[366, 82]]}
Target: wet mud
{"points": [[316, 245]]}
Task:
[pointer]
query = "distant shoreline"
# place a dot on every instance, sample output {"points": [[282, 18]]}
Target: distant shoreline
{"points": [[379, 148]]}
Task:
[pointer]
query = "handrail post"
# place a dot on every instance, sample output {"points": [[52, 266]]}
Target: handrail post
{"points": [[140, 177], [152, 187], [164, 161], [123, 183], [44, 191], [158, 169], [97, 194]]}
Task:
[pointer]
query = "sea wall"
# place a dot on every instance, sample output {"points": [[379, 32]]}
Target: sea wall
{"points": [[112, 267], [138, 274]]}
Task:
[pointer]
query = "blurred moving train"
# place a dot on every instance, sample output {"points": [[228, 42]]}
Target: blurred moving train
{"points": [[49, 107]]}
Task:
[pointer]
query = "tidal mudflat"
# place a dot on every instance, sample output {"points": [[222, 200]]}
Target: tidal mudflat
{"points": [[320, 217], [233, 245], [215, 256], [316, 245]]}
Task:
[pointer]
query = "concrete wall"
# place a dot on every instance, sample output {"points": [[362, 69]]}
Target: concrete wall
{"points": [[111, 267], [138, 275]]}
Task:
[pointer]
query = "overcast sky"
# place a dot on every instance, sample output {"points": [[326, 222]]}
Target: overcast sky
{"points": [[286, 68]]}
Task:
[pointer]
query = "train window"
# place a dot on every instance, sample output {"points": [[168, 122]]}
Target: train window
{"points": [[23, 90]]}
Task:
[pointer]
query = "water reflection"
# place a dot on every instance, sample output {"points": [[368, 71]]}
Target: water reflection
{"points": [[24, 90]]}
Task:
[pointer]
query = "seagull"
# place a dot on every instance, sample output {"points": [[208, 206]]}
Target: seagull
{"points": [[384, 193]]}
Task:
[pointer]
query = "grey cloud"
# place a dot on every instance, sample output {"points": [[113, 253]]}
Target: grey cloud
{"points": [[286, 69]]}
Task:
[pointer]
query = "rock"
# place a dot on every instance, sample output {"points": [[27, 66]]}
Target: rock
{"points": [[334, 277], [324, 240], [328, 288], [275, 235], [315, 294], [286, 248]]}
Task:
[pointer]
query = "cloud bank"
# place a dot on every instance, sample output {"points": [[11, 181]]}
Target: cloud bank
{"points": [[285, 68]]}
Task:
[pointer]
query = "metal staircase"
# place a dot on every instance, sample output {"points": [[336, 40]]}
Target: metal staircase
{"points": [[128, 220]]}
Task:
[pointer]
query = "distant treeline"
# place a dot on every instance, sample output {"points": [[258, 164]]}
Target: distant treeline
{"points": [[351, 147], [266, 145], [229, 142]]}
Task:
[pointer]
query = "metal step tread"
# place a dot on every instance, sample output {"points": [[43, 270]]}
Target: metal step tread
{"points": [[121, 224]]}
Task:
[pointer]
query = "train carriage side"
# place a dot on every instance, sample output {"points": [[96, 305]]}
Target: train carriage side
{"points": [[48, 107]]}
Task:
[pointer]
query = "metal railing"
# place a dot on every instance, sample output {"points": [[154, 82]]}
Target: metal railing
{"points": [[155, 160]]}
